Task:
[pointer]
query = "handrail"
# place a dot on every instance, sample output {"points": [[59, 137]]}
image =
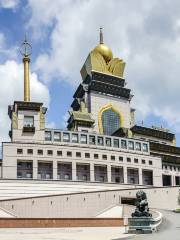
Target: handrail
{"points": [[156, 221]]}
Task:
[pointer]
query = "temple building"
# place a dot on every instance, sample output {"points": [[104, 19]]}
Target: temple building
{"points": [[102, 142]]}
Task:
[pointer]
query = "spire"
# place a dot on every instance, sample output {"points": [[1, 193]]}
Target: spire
{"points": [[26, 50], [101, 36]]}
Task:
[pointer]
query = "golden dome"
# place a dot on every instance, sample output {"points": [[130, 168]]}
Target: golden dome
{"points": [[105, 51]]}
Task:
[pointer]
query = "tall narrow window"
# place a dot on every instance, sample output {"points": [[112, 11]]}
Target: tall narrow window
{"points": [[48, 136], [57, 136], [110, 121]]}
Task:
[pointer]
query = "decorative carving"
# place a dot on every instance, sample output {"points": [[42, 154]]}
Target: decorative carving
{"points": [[104, 108], [98, 63], [42, 119], [14, 121], [101, 59]]}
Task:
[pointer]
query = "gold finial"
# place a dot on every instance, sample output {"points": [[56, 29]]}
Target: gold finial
{"points": [[101, 36], [26, 50]]}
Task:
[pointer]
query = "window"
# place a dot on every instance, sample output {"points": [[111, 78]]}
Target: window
{"points": [[84, 130], [123, 144], [48, 136], [24, 169], [49, 152], [116, 143], [74, 137], [59, 153], [131, 145], [104, 157], [113, 158], [128, 159], [66, 137], [136, 160], [66, 176], [30, 151], [174, 168], [57, 136], [28, 121], [108, 142], [170, 167], [92, 140], [40, 152], [69, 154], [143, 161], [138, 146], [110, 121], [83, 138], [19, 151], [145, 147], [96, 156], [84, 177], [100, 141], [120, 159], [87, 155], [150, 162], [78, 154]]}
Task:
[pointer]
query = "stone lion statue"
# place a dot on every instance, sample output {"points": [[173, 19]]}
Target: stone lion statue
{"points": [[142, 209]]}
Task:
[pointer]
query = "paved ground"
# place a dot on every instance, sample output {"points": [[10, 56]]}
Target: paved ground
{"points": [[111, 233], [170, 228]]}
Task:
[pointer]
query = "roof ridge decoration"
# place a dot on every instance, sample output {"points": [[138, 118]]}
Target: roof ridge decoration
{"points": [[101, 59]]}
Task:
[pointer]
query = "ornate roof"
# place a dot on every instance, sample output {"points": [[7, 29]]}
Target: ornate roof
{"points": [[104, 88], [164, 148], [81, 116], [145, 131]]}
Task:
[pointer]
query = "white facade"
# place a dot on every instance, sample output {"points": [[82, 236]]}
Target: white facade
{"points": [[77, 155], [19, 135], [99, 101]]}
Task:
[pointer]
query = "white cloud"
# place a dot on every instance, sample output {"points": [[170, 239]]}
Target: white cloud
{"points": [[7, 52], [11, 81], [146, 34], [9, 3]]}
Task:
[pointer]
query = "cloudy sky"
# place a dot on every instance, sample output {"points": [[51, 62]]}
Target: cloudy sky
{"points": [[146, 34]]}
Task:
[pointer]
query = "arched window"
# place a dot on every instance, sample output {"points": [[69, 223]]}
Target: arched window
{"points": [[110, 121]]}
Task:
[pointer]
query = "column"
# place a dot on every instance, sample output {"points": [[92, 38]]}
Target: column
{"points": [[109, 173], [35, 169], [125, 174], [54, 169], [173, 181], [140, 176], [74, 171], [92, 172]]}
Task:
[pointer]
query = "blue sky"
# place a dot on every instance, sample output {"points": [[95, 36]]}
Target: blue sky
{"points": [[146, 34]]}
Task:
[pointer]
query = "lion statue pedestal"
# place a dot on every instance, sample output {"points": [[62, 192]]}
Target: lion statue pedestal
{"points": [[141, 218]]}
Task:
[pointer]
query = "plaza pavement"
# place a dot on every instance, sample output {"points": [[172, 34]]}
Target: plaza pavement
{"points": [[103, 233], [169, 229]]}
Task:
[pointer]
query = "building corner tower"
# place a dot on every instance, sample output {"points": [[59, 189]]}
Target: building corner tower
{"points": [[27, 117]]}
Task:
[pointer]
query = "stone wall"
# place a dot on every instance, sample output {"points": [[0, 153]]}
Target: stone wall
{"points": [[87, 204], [61, 222]]}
